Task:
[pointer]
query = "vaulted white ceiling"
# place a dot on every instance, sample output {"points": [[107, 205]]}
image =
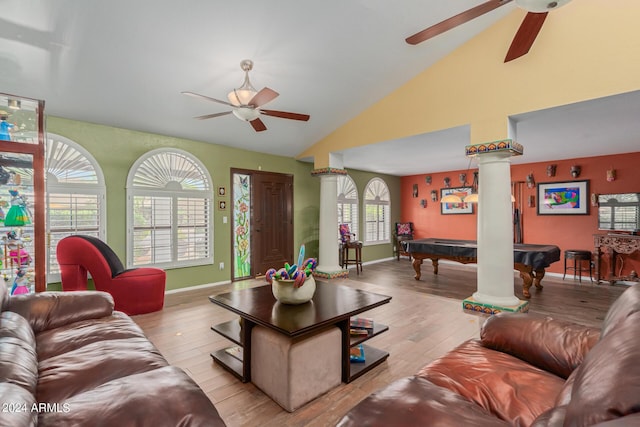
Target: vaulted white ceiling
{"points": [[124, 63]]}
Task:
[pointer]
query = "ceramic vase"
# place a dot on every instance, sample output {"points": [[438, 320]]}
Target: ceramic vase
{"points": [[286, 293]]}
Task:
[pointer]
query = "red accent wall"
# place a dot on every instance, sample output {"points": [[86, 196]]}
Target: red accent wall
{"points": [[567, 232]]}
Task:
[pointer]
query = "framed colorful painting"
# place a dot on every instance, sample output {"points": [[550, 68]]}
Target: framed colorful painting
{"points": [[449, 208], [563, 198]]}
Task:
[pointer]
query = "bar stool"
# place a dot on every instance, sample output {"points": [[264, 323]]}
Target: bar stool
{"points": [[578, 256], [357, 260]]}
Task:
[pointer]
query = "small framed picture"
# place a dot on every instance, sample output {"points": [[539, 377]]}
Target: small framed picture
{"points": [[222, 191], [222, 205], [563, 198]]}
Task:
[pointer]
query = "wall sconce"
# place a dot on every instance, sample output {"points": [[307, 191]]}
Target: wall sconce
{"points": [[427, 179], [423, 203], [463, 178], [551, 170], [575, 171], [611, 175], [434, 195], [447, 182], [415, 190], [530, 181], [594, 199]]}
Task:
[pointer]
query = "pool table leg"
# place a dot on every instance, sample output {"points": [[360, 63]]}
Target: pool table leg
{"points": [[537, 277], [527, 281], [530, 277], [417, 262]]}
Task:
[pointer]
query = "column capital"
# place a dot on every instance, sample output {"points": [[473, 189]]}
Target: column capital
{"points": [[500, 146], [328, 171]]}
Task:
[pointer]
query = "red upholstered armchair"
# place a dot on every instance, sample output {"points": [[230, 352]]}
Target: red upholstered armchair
{"points": [[135, 291]]}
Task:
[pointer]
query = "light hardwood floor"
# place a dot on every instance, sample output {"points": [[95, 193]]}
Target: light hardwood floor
{"points": [[425, 320]]}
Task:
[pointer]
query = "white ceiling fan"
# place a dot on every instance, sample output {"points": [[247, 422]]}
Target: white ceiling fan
{"points": [[246, 103]]}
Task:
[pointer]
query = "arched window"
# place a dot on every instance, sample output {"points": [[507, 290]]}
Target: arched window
{"points": [[169, 196], [348, 203], [377, 212], [75, 196]]}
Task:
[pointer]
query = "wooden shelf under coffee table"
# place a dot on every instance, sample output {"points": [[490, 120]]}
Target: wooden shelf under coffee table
{"points": [[332, 305]]}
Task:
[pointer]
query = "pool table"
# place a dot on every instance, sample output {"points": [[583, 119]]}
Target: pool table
{"points": [[529, 260]]}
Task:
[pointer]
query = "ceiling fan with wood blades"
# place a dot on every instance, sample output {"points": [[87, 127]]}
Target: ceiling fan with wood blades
{"points": [[537, 11], [246, 103]]}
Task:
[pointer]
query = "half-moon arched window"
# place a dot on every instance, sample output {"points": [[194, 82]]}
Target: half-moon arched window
{"points": [[75, 196], [169, 199]]}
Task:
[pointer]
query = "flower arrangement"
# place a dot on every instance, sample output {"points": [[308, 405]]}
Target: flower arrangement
{"points": [[296, 272]]}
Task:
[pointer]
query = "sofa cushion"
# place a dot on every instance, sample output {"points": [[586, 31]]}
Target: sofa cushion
{"points": [[415, 401], [161, 397], [553, 417], [553, 345], [607, 384], [18, 360], [94, 364], [14, 325], [509, 388], [17, 404], [18, 363], [48, 310], [627, 304], [64, 339]]}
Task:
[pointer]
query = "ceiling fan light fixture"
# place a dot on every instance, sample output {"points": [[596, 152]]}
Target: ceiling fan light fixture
{"points": [[245, 93], [451, 198], [241, 96], [246, 113], [540, 6]]}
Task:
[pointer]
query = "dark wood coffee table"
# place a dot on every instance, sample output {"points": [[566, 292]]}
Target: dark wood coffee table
{"points": [[332, 305]]}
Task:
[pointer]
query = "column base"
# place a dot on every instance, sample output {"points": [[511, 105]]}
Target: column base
{"points": [[470, 304], [332, 274]]}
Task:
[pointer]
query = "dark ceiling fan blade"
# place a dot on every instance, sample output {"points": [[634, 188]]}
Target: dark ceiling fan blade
{"points": [[456, 20], [286, 115], [258, 125], [208, 98], [211, 116], [526, 35], [262, 97]]}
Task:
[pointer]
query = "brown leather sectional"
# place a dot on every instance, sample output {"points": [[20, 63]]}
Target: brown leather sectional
{"points": [[525, 370], [68, 359]]}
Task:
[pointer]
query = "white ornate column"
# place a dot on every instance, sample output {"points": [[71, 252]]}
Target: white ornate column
{"points": [[328, 266], [495, 228]]}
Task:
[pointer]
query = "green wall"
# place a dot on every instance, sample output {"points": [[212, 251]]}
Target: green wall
{"points": [[375, 252], [117, 149]]}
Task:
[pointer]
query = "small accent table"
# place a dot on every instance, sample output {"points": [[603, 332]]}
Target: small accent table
{"points": [[616, 243], [332, 305]]}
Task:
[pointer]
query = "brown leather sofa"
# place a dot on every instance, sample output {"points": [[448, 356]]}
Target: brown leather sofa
{"points": [[68, 359], [525, 370]]}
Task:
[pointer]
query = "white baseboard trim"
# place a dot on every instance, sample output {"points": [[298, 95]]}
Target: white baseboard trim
{"points": [[375, 261], [193, 288], [469, 266]]}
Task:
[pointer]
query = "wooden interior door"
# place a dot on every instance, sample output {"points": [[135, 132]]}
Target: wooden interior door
{"points": [[272, 221]]}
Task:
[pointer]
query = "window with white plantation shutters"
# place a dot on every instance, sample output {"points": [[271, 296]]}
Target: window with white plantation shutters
{"points": [[348, 204], [75, 196], [169, 200], [377, 214]]}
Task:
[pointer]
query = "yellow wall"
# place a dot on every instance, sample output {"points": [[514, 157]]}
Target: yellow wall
{"points": [[587, 49]]}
